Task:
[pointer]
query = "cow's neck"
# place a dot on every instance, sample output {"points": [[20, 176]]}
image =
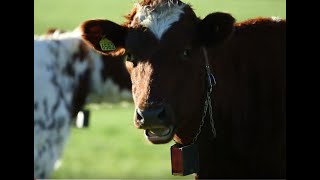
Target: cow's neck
{"points": [[213, 148], [206, 141]]}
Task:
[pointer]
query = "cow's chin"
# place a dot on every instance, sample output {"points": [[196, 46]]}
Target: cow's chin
{"points": [[159, 135]]}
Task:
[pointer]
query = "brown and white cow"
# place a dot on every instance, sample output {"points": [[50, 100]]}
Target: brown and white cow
{"points": [[67, 75], [175, 59]]}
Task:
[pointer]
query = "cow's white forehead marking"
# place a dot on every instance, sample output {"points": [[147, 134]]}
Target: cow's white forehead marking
{"points": [[158, 18]]}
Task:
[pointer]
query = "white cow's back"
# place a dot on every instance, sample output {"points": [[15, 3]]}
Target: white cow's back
{"points": [[53, 93]]}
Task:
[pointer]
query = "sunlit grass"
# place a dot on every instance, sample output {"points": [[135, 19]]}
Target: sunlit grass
{"points": [[112, 148]]}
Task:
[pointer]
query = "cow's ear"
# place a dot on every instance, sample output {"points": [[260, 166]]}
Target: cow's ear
{"points": [[215, 28], [104, 36]]}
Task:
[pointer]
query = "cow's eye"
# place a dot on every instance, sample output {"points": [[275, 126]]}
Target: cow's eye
{"points": [[186, 53]]}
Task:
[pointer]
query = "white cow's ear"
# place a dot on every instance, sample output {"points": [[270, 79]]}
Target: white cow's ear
{"points": [[215, 28], [104, 36]]}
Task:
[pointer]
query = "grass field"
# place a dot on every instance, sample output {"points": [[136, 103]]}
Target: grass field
{"points": [[67, 14], [111, 147]]}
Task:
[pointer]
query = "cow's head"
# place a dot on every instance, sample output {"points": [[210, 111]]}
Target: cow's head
{"points": [[162, 41]]}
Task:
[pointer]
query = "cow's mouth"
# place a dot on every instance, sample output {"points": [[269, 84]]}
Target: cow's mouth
{"points": [[160, 135]]}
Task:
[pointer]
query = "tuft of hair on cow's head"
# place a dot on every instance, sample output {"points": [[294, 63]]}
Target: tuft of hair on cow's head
{"points": [[163, 42]]}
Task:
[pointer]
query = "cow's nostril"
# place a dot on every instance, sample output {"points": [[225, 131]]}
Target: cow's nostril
{"points": [[155, 117], [162, 114], [139, 115]]}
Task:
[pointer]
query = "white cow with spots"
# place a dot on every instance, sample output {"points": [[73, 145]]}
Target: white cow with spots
{"points": [[66, 72]]}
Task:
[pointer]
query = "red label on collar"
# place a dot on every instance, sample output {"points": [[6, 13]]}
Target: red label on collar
{"points": [[176, 160]]}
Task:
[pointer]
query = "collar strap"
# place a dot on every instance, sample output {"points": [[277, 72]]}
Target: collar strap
{"points": [[207, 103]]}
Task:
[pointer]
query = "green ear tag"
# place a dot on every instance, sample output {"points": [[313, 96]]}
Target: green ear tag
{"points": [[106, 44]]}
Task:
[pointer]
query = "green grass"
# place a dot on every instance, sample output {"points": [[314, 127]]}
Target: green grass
{"points": [[67, 14], [111, 147]]}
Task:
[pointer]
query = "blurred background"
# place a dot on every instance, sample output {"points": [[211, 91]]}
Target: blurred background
{"points": [[111, 147]]}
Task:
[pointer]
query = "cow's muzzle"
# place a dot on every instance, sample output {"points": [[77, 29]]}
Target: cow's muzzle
{"points": [[157, 123]]}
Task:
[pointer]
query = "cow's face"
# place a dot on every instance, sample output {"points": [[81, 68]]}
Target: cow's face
{"points": [[163, 42]]}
